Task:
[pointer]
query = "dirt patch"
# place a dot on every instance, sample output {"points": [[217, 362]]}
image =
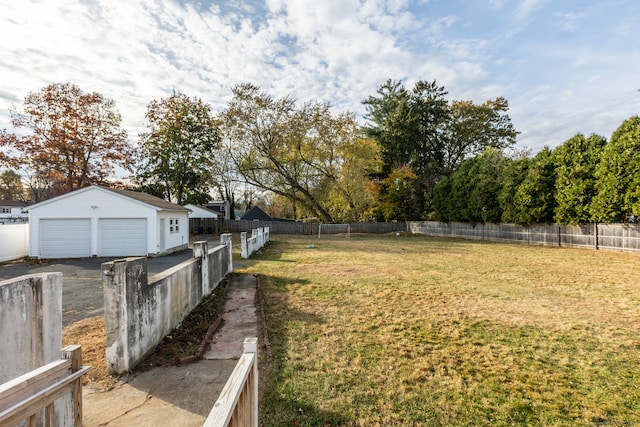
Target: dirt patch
{"points": [[182, 342], [91, 335]]}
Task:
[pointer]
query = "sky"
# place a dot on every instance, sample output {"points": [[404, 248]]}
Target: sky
{"points": [[565, 66]]}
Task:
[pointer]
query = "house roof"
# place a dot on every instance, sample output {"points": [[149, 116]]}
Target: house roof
{"points": [[147, 199], [255, 213]]}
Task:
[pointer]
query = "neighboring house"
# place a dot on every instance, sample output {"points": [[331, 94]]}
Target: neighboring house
{"points": [[255, 214], [221, 207], [105, 222], [200, 212], [12, 211]]}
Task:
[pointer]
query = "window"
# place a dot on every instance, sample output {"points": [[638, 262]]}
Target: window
{"points": [[174, 226], [6, 210]]}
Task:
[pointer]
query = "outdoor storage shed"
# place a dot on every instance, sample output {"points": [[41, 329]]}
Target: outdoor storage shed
{"points": [[105, 222], [200, 212]]}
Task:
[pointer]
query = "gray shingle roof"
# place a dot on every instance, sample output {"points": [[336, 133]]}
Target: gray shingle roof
{"points": [[13, 203], [148, 199]]}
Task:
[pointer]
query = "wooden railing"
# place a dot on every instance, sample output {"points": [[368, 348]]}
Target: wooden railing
{"points": [[23, 398], [238, 402]]}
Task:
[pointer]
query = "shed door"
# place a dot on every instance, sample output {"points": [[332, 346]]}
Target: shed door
{"points": [[65, 238], [122, 237]]}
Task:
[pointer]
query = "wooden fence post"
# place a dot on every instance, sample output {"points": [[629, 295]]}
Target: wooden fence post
{"points": [[251, 346], [74, 353]]}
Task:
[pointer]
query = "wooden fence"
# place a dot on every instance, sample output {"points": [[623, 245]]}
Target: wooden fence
{"points": [[25, 397], [238, 402], [206, 226], [310, 229], [621, 237]]}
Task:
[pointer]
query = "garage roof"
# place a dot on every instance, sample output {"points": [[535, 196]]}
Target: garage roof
{"points": [[148, 199]]}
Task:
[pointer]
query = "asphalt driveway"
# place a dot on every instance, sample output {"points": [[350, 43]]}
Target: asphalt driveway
{"points": [[82, 295]]}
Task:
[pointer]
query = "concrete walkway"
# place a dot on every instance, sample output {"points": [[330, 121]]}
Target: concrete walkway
{"points": [[180, 395]]}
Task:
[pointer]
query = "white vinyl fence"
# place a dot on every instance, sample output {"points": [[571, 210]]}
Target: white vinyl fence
{"points": [[14, 241]]}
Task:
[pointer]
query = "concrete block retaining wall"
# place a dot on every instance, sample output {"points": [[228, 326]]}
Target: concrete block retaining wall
{"points": [[139, 312]]}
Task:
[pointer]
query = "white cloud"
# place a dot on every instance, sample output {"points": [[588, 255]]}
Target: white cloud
{"points": [[569, 21], [337, 51], [527, 8]]}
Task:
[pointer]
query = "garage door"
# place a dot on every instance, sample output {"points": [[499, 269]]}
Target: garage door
{"points": [[122, 237], [65, 238]]}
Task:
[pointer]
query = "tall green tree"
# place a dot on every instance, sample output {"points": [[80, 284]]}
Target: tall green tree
{"points": [[73, 139], [397, 195], [514, 172], [451, 194], [534, 199], [176, 154], [409, 126], [471, 193], [444, 209], [483, 205], [618, 175], [300, 152], [352, 197], [576, 160], [473, 128], [420, 130]]}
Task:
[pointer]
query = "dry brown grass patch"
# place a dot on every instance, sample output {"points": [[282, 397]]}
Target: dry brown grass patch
{"points": [[92, 336], [419, 331]]}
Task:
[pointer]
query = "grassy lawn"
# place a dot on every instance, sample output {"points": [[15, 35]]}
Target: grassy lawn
{"points": [[419, 331]]}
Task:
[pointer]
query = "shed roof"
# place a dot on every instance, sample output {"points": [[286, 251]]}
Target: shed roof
{"points": [[200, 210]]}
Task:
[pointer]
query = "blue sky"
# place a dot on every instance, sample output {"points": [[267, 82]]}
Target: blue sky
{"points": [[565, 66]]}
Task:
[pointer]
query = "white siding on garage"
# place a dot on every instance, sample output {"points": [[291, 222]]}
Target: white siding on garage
{"points": [[91, 203], [122, 237], [65, 238], [176, 229], [97, 205]]}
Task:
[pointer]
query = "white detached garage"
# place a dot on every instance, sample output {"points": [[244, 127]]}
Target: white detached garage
{"points": [[105, 222]]}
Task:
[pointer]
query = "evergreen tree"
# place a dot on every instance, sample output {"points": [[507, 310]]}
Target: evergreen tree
{"points": [[534, 199], [576, 162], [618, 175]]}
